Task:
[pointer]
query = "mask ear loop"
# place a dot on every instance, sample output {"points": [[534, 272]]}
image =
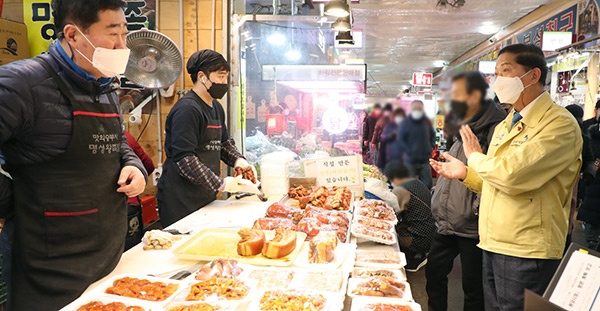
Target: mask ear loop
{"points": [[530, 84]]}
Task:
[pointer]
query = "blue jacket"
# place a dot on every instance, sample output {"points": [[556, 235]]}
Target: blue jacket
{"points": [[418, 139], [394, 149]]}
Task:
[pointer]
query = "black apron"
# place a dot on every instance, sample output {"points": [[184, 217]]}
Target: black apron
{"points": [[70, 222], [177, 196]]}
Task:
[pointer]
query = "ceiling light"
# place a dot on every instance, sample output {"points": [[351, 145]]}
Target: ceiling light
{"points": [[276, 39], [344, 35], [440, 63], [293, 54], [488, 29], [342, 24], [337, 8]]}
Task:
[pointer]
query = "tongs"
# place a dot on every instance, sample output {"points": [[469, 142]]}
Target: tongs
{"points": [[261, 196]]}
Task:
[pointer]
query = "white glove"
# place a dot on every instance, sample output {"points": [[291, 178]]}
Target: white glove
{"points": [[241, 162], [239, 185]]}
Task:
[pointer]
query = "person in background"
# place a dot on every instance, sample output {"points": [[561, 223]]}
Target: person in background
{"points": [[589, 212], [72, 170], [595, 120], [415, 226], [507, 107], [526, 181], [368, 130], [455, 207], [587, 171], [197, 141], [418, 140], [135, 223], [394, 149], [6, 233], [376, 142]]}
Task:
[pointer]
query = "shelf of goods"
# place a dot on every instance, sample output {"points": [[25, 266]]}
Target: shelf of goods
{"points": [[297, 256]]}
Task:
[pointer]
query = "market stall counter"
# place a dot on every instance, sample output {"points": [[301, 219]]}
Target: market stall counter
{"points": [[152, 275]]}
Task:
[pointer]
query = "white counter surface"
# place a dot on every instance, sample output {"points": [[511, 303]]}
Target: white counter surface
{"points": [[219, 214]]}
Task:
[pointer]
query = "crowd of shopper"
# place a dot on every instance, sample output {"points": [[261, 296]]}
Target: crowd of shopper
{"points": [[507, 190]]}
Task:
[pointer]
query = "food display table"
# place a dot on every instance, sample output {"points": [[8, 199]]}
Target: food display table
{"points": [[218, 214]]}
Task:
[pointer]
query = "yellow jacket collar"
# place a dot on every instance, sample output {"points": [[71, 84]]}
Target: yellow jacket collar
{"points": [[535, 114]]}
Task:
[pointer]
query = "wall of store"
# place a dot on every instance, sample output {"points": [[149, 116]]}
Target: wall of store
{"points": [[198, 34]]}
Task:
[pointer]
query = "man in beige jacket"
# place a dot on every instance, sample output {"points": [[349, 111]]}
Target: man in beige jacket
{"points": [[526, 181]]}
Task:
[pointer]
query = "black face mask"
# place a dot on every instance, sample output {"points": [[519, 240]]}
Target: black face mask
{"points": [[217, 90], [459, 108]]}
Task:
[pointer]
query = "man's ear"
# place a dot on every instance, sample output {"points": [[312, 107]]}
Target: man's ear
{"points": [[70, 32], [536, 74]]}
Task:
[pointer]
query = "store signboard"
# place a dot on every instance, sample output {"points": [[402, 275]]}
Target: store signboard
{"points": [[554, 40], [564, 21], [422, 79], [314, 72], [340, 171]]}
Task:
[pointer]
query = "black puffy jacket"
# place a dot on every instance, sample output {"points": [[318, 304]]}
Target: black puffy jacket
{"points": [[455, 207], [36, 120]]}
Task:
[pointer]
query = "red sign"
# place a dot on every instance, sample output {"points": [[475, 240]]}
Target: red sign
{"points": [[422, 79]]}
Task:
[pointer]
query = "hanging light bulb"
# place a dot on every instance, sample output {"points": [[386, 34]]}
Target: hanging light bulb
{"points": [[345, 38], [337, 8], [342, 24]]}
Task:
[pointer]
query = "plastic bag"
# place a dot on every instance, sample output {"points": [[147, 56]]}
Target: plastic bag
{"points": [[381, 190]]}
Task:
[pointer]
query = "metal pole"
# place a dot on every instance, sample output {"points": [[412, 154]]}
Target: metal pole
{"points": [[181, 40], [213, 32]]}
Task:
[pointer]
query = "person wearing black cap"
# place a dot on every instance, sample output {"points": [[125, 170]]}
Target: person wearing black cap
{"points": [[197, 141], [592, 121]]}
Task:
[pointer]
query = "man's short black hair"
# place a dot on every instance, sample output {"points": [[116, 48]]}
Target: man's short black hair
{"points": [[377, 106], [529, 56], [210, 69], [82, 13], [576, 111], [388, 107], [474, 81], [396, 169], [598, 104]]}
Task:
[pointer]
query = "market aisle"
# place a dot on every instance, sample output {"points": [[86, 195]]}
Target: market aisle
{"points": [[455, 298]]}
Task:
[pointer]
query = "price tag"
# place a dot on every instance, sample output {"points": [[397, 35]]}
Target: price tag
{"points": [[340, 171]]}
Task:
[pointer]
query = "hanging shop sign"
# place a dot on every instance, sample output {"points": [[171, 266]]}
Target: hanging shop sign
{"points": [[564, 21], [422, 79], [554, 40], [335, 120], [314, 72], [564, 82], [40, 23], [588, 24]]}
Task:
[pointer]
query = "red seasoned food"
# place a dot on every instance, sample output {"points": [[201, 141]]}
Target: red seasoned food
{"points": [[142, 289], [265, 223], [312, 210], [374, 223], [312, 227], [386, 307], [297, 192], [279, 210], [247, 173], [113, 306]]}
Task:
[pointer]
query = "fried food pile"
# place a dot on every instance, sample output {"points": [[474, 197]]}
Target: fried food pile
{"points": [[229, 289], [113, 306], [247, 173], [381, 287], [142, 289], [289, 301]]}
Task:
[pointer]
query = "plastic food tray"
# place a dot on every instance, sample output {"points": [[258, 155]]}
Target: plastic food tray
{"points": [[359, 235], [358, 208], [215, 243], [398, 274], [108, 299], [272, 278], [335, 282], [101, 289], [342, 252], [180, 298], [354, 282], [362, 303], [334, 302], [390, 224], [380, 260], [217, 306]]}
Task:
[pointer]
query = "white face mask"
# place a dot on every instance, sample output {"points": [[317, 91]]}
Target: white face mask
{"points": [[509, 89], [110, 62], [416, 114], [398, 120]]}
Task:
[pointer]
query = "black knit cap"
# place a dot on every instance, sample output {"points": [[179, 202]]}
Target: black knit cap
{"points": [[204, 59]]}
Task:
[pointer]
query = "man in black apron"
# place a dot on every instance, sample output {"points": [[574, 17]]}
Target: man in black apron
{"points": [[197, 140], [72, 170]]}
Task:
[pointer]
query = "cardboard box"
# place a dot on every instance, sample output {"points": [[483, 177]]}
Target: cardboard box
{"points": [[13, 41]]}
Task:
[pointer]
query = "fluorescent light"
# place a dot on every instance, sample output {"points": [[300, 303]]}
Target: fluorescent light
{"points": [[293, 55], [276, 38]]}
